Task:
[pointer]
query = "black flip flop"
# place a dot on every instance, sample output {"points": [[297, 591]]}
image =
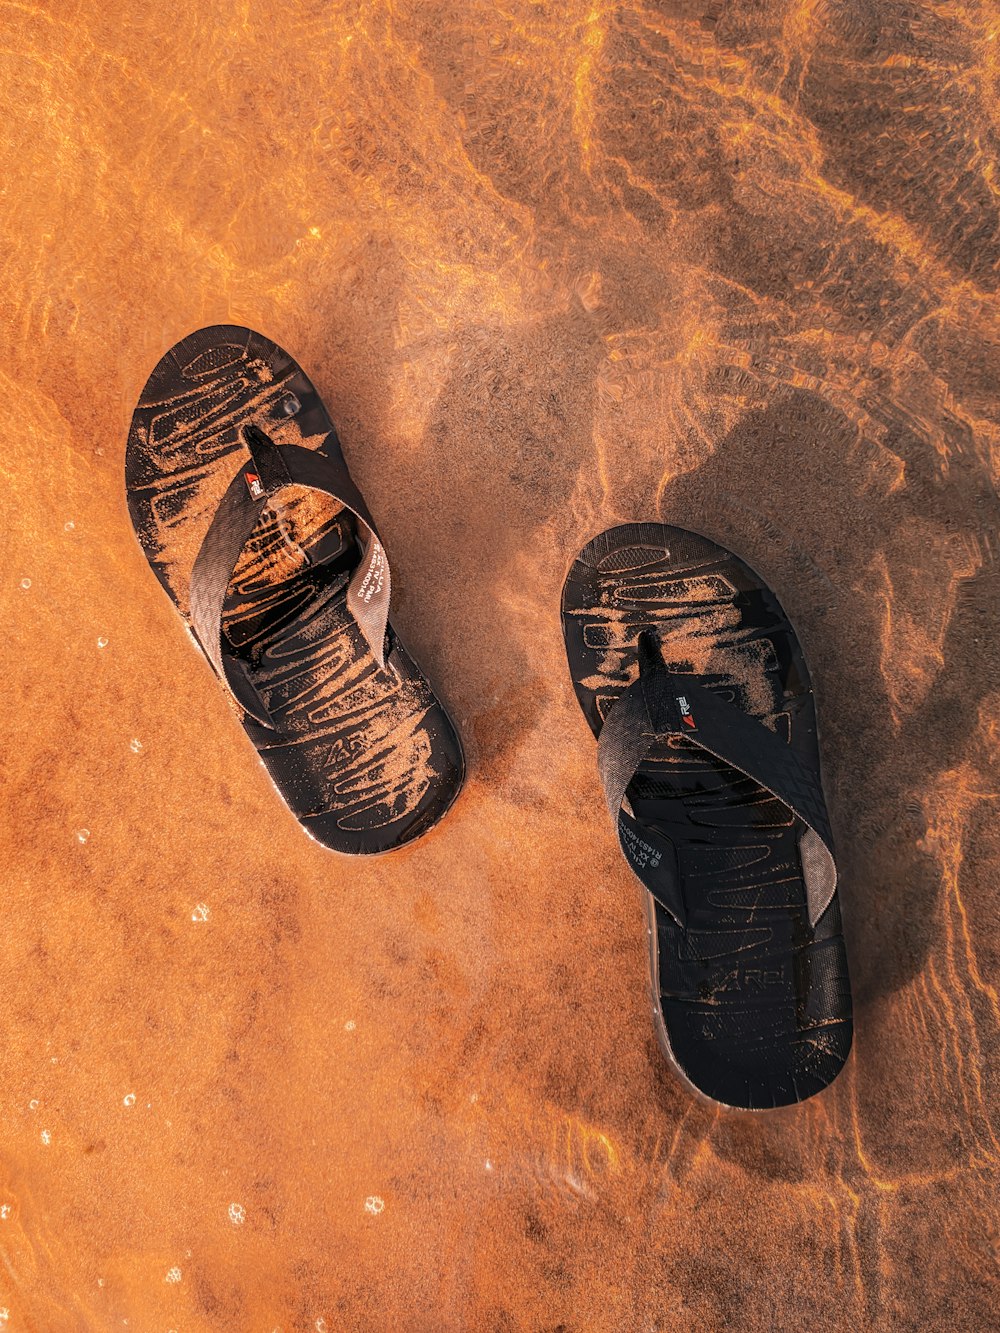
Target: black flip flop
{"points": [[244, 506], [691, 676]]}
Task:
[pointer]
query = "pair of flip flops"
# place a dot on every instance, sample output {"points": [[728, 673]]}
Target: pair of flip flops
{"points": [[686, 668]]}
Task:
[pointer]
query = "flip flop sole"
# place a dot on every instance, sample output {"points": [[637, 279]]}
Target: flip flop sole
{"points": [[750, 1001], [366, 758]]}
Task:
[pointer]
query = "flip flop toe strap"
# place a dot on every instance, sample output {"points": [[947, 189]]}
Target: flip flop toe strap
{"points": [[662, 704], [272, 467]]}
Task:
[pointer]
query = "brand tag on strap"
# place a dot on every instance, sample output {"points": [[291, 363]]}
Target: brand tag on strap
{"points": [[254, 485]]}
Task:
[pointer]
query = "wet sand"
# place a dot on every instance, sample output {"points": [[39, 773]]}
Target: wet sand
{"points": [[730, 267]]}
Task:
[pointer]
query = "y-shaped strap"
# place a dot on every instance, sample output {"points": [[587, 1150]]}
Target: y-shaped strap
{"points": [[661, 704], [271, 468]]}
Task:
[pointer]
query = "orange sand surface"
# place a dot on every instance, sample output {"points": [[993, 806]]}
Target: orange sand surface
{"points": [[553, 266]]}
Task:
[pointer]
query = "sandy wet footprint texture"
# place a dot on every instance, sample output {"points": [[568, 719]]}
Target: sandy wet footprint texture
{"points": [[553, 267]]}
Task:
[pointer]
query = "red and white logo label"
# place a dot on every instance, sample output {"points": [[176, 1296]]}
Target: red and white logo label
{"points": [[685, 708], [254, 485]]}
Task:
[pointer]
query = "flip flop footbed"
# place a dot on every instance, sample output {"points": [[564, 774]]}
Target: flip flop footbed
{"points": [[751, 1001], [365, 757]]}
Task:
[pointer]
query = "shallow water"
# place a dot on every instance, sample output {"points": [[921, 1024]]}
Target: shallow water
{"points": [[554, 267]]}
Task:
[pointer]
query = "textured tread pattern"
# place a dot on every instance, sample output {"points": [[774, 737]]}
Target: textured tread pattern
{"points": [[751, 1000], [365, 757]]}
